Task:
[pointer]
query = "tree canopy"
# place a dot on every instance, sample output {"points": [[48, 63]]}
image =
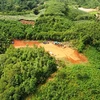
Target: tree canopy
{"points": [[22, 70], [72, 83], [19, 5]]}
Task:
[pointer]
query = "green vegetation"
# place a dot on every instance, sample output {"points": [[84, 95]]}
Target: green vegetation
{"points": [[52, 23], [93, 57], [20, 6], [22, 70], [88, 3], [84, 3], [62, 23], [56, 8], [59, 22], [15, 17], [10, 30], [60, 29], [76, 82], [25, 6], [88, 34]]}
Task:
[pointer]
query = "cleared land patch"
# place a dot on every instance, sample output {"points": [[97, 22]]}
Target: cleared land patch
{"points": [[58, 52], [87, 10], [21, 44], [29, 22]]}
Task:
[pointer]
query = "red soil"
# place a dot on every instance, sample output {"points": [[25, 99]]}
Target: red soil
{"points": [[27, 22], [58, 52], [81, 58], [20, 43]]}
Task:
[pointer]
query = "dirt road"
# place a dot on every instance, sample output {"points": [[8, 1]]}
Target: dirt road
{"points": [[87, 10]]}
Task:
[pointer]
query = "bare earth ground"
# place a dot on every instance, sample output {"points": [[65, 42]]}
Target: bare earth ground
{"points": [[30, 22], [67, 53], [20, 43]]}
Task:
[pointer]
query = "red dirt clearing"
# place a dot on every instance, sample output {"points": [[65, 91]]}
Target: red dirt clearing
{"points": [[20, 43], [29, 22], [81, 58], [58, 52]]}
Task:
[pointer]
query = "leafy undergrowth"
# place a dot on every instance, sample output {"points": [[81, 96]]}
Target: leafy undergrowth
{"points": [[74, 82], [93, 57], [23, 70]]}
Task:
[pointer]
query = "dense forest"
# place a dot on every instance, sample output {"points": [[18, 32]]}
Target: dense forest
{"points": [[64, 25], [85, 3], [25, 71], [72, 83], [24, 5], [19, 5], [22, 70]]}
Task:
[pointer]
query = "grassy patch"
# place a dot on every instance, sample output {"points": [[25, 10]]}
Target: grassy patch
{"points": [[93, 57], [29, 16]]}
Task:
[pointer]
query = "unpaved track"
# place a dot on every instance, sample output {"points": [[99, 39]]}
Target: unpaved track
{"points": [[87, 10]]}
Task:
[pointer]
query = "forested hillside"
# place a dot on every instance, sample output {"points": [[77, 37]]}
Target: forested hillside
{"points": [[19, 5], [84, 3], [88, 3], [10, 30], [59, 22], [72, 83], [22, 70], [62, 23], [33, 74], [23, 5]]}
